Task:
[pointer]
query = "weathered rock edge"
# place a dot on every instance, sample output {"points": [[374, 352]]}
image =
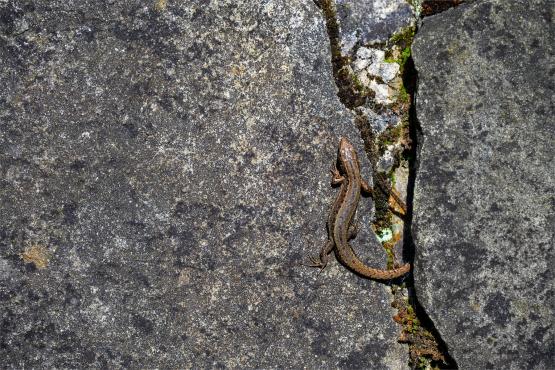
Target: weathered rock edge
{"points": [[483, 205]]}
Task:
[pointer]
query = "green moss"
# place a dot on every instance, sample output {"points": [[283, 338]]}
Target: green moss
{"points": [[390, 136], [390, 258], [351, 92], [423, 363], [405, 55], [403, 40], [392, 178], [403, 58], [406, 35], [404, 96], [424, 350]]}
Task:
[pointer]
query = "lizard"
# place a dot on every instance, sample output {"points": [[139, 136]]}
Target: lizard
{"points": [[340, 228]]}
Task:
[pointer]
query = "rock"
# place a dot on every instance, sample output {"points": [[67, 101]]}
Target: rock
{"points": [[386, 71], [483, 203], [366, 56], [165, 173], [384, 95], [380, 121], [374, 55], [373, 61], [370, 53], [386, 161], [371, 21], [363, 78], [361, 64]]}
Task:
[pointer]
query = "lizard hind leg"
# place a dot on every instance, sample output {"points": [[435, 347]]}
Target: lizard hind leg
{"points": [[396, 204], [322, 259]]}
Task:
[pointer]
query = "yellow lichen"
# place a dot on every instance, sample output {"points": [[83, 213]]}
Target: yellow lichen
{"points": [[37, 255], [161, 5]]}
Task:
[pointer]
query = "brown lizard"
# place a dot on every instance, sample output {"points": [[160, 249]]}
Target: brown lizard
{"points": [[340, 226]]}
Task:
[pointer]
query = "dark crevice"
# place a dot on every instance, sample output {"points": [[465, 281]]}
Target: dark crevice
{"points": [[410, 78], [431, 7], [415, 133], [426, 322], [380, 180], [425, 342]]}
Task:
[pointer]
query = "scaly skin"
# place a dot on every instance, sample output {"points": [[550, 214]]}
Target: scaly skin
{"points": [[340, 228]]}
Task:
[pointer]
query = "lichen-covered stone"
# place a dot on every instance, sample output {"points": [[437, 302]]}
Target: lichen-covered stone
{"points": [[379, 122], [483, 204], [371, 21], [383, 94], [372, 61], [164, 174]]}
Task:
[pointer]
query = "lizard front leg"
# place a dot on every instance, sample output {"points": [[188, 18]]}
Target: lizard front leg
{"points": [[336, 177]]}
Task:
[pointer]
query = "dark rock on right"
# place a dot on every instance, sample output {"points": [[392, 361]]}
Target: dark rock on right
{"points": [[483, 198]]}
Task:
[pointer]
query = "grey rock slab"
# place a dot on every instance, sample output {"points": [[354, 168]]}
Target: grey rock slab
{"points": [[483, 203], [167, 165], [371, 21]]}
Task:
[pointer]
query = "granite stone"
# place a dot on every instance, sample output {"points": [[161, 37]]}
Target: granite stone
{"points": [[164, 174], [484, 194]]}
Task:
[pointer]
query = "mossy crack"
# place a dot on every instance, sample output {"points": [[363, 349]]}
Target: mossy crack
{"points": [[426, 348], [351, 92]]}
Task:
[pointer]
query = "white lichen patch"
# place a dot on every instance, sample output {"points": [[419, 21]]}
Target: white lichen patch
{"points": [[376, 74], [386, 71], [380, 121], [386, 161], [383, 93], [385, 235]]}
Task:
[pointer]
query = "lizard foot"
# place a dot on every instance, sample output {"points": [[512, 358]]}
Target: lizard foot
{"points": [[316, 262]]}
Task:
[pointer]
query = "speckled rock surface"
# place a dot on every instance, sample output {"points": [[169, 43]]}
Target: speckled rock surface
{"points": [[164, 173], [370, 21], [483, 206]]}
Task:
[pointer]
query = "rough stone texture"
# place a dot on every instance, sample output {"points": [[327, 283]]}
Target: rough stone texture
{"points": [[483, 204], [370, 21], [365, 29], [168, 163]]}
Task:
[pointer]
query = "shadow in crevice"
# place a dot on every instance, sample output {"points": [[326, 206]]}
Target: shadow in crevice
{"points": [[410, 79]]}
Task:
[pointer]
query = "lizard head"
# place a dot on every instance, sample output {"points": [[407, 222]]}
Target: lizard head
{"points": [[346, 152]]}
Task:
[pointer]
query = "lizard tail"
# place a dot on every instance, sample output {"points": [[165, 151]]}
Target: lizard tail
{"points": [[377, 274]]}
